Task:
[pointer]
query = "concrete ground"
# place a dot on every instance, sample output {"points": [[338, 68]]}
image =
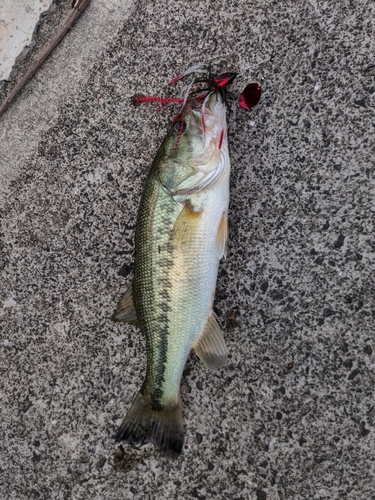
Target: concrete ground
{"points": [[292, 416], [18, 19]]}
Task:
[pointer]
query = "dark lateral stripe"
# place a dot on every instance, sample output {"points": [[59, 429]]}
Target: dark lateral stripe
{"points": [[163, 337], [153, 301]]}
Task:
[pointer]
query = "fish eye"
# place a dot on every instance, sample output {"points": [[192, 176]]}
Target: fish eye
{"points": [[179, 127]]}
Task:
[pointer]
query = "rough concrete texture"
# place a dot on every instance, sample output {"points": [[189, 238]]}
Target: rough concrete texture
{"points": [[18, 19], [59, 79], [292, 416]]}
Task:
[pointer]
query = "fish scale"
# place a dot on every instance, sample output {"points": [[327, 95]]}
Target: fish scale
{"points": [[180, 237]]}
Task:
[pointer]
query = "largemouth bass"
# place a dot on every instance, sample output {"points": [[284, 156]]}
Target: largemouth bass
{"points": [[181, 235]]}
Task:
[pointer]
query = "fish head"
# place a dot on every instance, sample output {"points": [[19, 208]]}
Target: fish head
{"points": [[196, 124], [195, 144]]}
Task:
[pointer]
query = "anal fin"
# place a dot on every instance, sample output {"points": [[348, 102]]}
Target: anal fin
{"points": [[210, 347], [125, 310]]}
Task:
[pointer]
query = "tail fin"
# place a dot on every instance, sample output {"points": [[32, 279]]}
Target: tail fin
{"points": [[163, 427]]}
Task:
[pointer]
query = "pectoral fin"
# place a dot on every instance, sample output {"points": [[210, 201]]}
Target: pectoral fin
{"points": [[210, 347], [222, 236], [125, 310], [186, 224]]}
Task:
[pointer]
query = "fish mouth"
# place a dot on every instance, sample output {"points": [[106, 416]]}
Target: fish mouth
{"points": [[214, 99], [202, 107], [205, 115], [201, 110]]}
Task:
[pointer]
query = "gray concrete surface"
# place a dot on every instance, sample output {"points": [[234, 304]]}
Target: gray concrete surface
{"points": [[57, 82], [292, 416], [18, 21]]}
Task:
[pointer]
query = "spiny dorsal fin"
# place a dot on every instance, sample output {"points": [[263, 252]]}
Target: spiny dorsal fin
{"points": [[222, 236], [125, 310], [210, 347]]}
